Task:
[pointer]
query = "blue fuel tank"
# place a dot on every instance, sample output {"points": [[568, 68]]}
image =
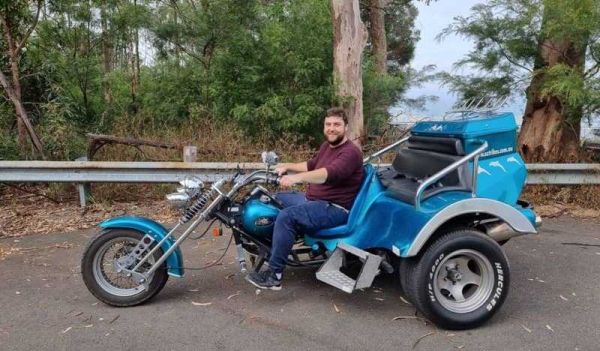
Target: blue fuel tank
{"points": [[258, 217]]}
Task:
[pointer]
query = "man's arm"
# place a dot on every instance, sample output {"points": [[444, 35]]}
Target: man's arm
{"points": [[317, 176], [291, 167]]}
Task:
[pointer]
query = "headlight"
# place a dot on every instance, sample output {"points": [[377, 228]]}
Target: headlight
{"points": [[192, 183], [178, 199], [190, 186]]}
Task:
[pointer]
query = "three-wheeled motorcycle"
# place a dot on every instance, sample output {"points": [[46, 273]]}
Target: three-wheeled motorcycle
{"points": [[436, 216]]}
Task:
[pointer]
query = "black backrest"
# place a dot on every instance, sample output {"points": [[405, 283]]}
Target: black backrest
{"points": [[425, 156], [420, 164], [450, 146]]}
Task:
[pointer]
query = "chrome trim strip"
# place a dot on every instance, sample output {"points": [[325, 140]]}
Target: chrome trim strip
{"points": [[384, 150]]}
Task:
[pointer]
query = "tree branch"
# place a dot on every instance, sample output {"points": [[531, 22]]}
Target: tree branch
{"points": [[508, 58], [31, 29]]}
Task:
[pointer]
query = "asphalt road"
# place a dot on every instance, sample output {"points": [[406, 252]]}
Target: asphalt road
{"points": [[554, 304]]}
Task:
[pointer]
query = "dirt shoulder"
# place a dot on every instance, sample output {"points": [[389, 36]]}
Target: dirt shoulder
{"points": [[24, 214]]}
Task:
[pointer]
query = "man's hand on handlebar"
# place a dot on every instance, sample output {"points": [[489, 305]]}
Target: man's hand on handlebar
{"points": [[288, 181], [281, 170]]}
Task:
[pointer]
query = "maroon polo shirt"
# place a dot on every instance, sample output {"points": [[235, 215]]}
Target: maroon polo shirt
{"points": [[344, 174]]}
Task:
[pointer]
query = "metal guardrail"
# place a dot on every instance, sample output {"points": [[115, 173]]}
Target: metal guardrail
{"points": [[172, 172], [115, 172], [82, 172], [563, 173]]}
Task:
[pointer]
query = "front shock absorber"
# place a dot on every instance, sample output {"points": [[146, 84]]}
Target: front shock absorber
{"points": [[197, 206]]}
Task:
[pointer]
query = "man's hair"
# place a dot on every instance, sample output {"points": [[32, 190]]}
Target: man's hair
{"points": [[337, 112]]}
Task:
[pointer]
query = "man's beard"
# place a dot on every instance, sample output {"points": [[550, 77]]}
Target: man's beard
{"points": [[336, 141]]}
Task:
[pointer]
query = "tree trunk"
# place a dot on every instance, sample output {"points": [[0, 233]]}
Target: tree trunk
{"points": [[349, 40], [377, 34], [106, 54], [550, 132], [135, 74], [135, 69]]}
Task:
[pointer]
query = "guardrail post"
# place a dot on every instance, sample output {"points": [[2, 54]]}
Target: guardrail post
{"points": [[83, 188], [190, 153]]}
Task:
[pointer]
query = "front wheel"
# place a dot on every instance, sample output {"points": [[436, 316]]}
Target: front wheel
{"points": [[105, 282], [460, 281]]}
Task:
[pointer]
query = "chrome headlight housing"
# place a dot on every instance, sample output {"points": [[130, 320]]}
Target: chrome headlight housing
{"points": [[190, 187]]}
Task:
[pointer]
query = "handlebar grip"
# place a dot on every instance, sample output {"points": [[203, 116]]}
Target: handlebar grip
{"points": [[273, 179]]}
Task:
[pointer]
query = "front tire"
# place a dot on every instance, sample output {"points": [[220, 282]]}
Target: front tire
{"points": [[110, 286], [460, 281]]}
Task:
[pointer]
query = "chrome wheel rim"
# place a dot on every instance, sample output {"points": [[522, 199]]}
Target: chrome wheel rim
{"points": [[463, 281], [110, 280]]}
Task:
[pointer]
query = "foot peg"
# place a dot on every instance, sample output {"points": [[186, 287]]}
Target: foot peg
{"points": [[330, 271]]}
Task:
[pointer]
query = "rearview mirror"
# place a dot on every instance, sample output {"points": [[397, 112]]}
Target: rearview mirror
{"points": [[270, 158]]}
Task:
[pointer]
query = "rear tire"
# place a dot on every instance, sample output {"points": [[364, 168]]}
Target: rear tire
{"points": [[109, 286], [460, 281]]}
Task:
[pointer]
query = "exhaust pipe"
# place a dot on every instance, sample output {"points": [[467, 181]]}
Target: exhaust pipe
{"points": [[500, 231]]}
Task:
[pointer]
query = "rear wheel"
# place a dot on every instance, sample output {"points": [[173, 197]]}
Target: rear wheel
{"points": [[105, 282], [460, 281]]}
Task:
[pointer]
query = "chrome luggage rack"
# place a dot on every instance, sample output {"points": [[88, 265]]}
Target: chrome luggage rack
{"points": [[477, 105]]}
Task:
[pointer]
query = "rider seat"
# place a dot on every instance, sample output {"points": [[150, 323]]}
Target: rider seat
{"points": [[343, 230]]}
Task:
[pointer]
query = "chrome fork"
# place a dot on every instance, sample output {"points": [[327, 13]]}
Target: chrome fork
{"points": [[143, 277]]}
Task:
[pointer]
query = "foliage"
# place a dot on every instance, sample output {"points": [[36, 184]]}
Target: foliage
{"points": [[380, 92], [8, 143], [277, 78], [139, 67], [60, 137]]}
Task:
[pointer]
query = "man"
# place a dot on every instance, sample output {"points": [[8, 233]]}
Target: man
{"points": [[333, 176]]}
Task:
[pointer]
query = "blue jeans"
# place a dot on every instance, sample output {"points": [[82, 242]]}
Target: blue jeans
{"points": [[300, 216]]}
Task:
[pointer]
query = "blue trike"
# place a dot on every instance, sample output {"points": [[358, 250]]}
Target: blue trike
{"points": [[436, 216]]}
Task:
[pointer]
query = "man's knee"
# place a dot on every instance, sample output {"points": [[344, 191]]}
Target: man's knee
{"points": [[285, 217]]}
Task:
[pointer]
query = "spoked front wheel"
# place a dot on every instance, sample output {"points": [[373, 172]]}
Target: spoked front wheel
{"points": [[106, 282], [460, 281]]}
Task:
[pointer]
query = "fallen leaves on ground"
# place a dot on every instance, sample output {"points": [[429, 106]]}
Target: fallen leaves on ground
{"points": [[526, 329], [404, 300], [421, 338], [405, 317], [233, 295], [24, 217], [557, 210], [6, 251]]}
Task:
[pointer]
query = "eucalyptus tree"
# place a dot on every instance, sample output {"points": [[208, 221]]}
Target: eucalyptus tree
{"points": [[548, 49]]}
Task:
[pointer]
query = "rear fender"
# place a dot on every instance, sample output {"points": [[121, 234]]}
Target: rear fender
{"points": [[157, 231], [508, 214]]}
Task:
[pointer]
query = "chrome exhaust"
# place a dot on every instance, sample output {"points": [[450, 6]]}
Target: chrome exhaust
{"points": [[500, 231]]}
